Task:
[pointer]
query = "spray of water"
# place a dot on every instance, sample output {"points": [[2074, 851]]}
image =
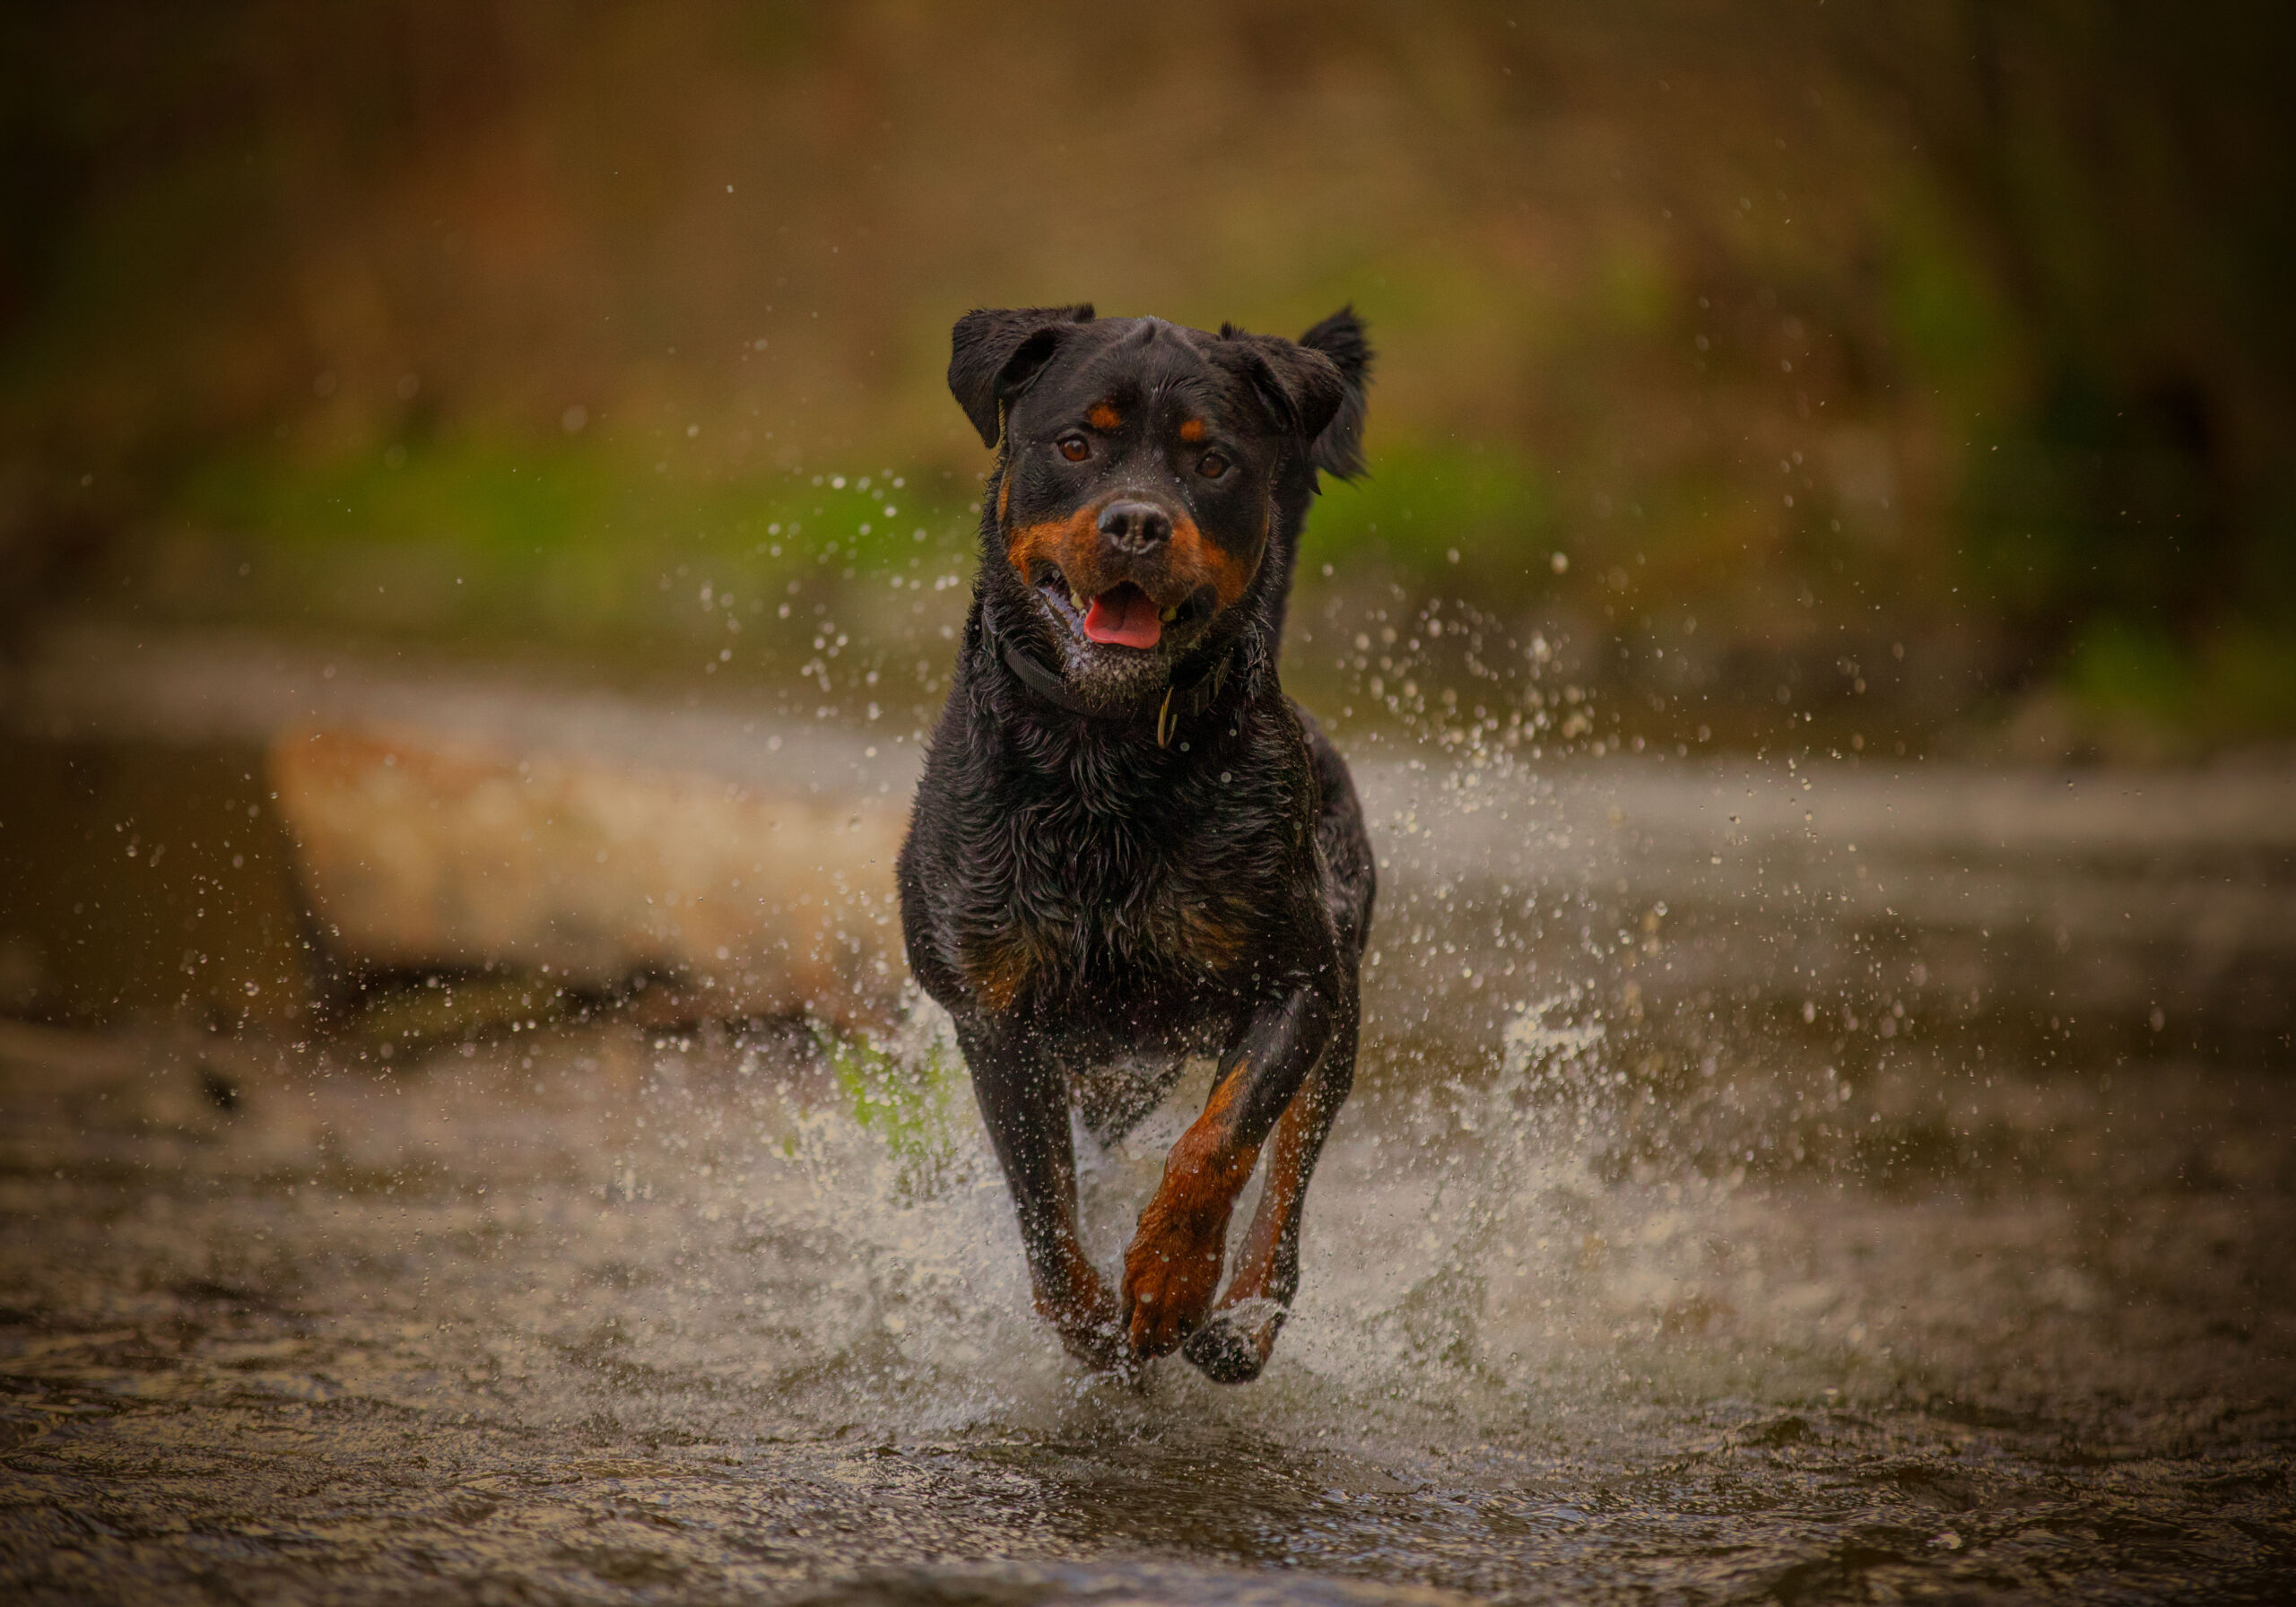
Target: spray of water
{"points": [[831, 1252]]}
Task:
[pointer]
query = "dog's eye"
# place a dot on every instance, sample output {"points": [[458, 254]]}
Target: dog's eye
{"points": [[1074, 448], [1212, 465]]}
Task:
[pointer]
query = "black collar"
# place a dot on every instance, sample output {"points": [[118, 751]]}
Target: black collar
{"points": [[1189, 699]]}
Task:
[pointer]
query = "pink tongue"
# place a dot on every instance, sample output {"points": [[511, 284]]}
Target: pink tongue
{"points": [[1124, 617]]}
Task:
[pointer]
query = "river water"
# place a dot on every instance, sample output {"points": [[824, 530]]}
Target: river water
{"points": [[1825, 1183]]}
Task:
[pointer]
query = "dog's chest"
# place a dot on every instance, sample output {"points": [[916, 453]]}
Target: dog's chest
{"points": [[1090, 904]]}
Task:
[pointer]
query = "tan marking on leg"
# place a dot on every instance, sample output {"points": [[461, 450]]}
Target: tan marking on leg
{"points": [[1279, 1201], [1202, 1174], [1172, 1268], [1082, 1310], [997, 975]]}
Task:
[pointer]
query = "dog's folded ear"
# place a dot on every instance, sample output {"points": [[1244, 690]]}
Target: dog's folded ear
{"points": [[993, 354], [1339, 444], [1301, 389], [1314, 386]]}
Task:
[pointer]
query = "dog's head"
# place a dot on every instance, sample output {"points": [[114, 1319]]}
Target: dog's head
{"points": [[1147, 470]]}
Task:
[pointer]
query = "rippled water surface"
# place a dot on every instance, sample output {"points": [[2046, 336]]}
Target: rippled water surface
{"points": [[1722, 1215]]}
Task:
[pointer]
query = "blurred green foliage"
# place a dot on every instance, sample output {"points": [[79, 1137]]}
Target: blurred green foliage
{"points": [[903, 1101], [572, 543], [1950, 336]]}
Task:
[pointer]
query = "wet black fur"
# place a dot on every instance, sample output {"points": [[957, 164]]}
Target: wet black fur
{"points": [[1107, 858]]}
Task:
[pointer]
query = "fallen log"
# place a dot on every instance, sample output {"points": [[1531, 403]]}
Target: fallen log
{"points": [[421, 854]]}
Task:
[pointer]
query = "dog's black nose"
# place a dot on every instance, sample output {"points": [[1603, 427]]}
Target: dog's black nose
{"points": [[1135, 527]]}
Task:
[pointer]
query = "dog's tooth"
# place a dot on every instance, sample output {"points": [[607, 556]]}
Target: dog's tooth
{"points": [[1171, 615], [1076, 597]]}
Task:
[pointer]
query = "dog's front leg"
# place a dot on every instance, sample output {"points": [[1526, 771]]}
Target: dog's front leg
{"points": [[1024, 1101], [1172, 1267], [1234, 1344]]}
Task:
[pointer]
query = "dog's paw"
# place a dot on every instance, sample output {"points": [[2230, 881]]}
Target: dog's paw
{"points": [[1171, 1273], [1234, 1345], [1100, 1346], [1090, 1327]]}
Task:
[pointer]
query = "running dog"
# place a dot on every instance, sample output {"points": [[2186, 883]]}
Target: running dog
{"points": [[1129, 847]]}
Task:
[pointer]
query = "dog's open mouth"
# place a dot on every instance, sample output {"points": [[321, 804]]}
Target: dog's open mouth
{"points": [[1123, 616]]}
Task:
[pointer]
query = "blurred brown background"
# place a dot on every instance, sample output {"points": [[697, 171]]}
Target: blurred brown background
{"points": [[1924, 370]]}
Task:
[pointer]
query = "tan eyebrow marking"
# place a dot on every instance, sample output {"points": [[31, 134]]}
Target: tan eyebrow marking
{"points": [[1104, 416], [1193, 431]]}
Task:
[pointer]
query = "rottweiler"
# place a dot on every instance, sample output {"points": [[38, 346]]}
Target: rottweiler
{"points": [[1129, 846]]}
